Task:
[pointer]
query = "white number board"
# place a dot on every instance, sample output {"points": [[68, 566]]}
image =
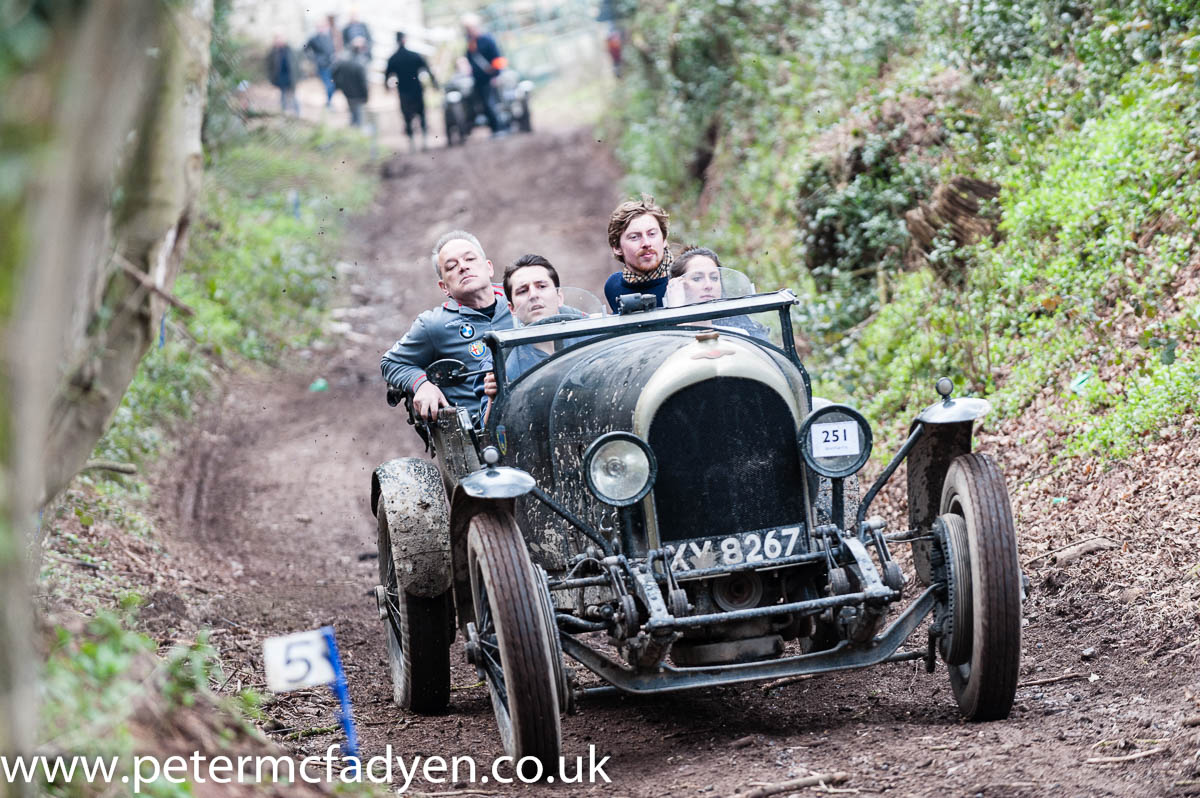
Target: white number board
{"points": [[296, 661], [835, 439]]}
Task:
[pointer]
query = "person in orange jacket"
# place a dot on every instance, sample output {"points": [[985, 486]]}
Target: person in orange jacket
{"points": [[486, 62]]}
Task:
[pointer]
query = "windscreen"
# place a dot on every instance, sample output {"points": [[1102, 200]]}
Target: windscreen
{"points": [[703, 281], [546, 307], [583, 302]]}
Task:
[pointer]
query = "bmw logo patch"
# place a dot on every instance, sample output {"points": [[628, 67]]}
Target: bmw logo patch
{"points": [[477, 349], [467, 330]]}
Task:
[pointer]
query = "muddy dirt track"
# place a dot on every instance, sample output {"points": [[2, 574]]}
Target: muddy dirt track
{"points": [[270, 502]]}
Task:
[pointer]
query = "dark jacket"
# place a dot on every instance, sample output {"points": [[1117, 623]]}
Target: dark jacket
{"points": [[481, 57], [407, 67], [615, 286], [452, 330], [320, 49], [281, 67], [521, 359], [355, 29], [350, 77]]}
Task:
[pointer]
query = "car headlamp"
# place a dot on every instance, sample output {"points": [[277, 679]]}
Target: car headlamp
{"points": [[620, 468], [835, 441]]}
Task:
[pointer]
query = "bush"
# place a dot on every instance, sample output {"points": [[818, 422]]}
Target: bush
{"points": [[1097, 224]]}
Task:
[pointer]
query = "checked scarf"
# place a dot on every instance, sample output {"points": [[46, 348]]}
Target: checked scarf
{"points": [[633, 277]]}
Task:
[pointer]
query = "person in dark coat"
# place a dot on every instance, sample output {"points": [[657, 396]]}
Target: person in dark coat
{"points": [[354, 29], [407, 66], [283, 73], [350, 77], [320, 49], [486, 62]]}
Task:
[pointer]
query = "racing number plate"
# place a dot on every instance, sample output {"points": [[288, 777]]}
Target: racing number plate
{"points": [[761, 546]]}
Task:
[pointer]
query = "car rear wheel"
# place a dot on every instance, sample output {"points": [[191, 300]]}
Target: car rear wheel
{"points": [[512, 643], [976, 511], [419, 633]]}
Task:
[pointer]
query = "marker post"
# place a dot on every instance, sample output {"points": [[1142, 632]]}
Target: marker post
{"points": [[342, 691]]}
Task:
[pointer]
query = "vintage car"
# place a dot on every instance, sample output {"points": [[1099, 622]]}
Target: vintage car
{"points": [[663, 501], [463, 114]]}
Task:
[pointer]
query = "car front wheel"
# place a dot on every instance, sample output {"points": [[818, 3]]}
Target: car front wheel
{"points": [[512, 645], [984, 585], [524, 123]]}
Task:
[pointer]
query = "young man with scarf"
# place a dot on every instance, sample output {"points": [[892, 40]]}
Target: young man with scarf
{"points": [[637, 234]]}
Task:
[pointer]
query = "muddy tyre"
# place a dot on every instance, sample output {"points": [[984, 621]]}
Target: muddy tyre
{"points": [[984, 685], [524, 123], [456, 127], [419, 633], [514, 649]]}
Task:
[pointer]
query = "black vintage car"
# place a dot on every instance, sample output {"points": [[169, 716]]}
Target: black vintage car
{"points": [[664, 502], [463, 114]]}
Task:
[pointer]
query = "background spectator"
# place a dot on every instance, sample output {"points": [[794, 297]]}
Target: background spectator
{"points": [[355, 29], [407, 66], [486, 62], [320, 49], [283, 73], [350, 77]]}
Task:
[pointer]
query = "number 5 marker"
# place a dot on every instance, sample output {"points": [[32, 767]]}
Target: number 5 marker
{"points": [[308, 659]]}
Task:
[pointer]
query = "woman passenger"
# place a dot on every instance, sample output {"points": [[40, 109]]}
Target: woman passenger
{"points": [[696, 277], [699, 272]]}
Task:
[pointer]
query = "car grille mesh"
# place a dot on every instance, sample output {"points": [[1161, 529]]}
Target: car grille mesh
{"points": [[727, 460]]}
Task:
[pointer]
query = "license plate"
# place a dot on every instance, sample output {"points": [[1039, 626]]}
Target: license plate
{"points": [[762, 546]]}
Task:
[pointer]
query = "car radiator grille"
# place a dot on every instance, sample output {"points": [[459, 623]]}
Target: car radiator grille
{"points": [[727, 461]]}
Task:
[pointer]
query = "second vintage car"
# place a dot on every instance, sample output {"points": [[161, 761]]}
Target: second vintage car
{"points": [[462, 113]]}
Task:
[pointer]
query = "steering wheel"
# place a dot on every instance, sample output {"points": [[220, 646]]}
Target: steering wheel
{"points": [[557, 317]]}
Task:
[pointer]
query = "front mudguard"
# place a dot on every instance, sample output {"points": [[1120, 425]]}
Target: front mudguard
{"points": [[947, 434], [409, 490], [464, 507], [493, 489]]}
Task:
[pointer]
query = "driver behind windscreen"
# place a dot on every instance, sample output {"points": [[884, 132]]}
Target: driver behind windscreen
{"points": [[532, 286], [454, 330]]}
